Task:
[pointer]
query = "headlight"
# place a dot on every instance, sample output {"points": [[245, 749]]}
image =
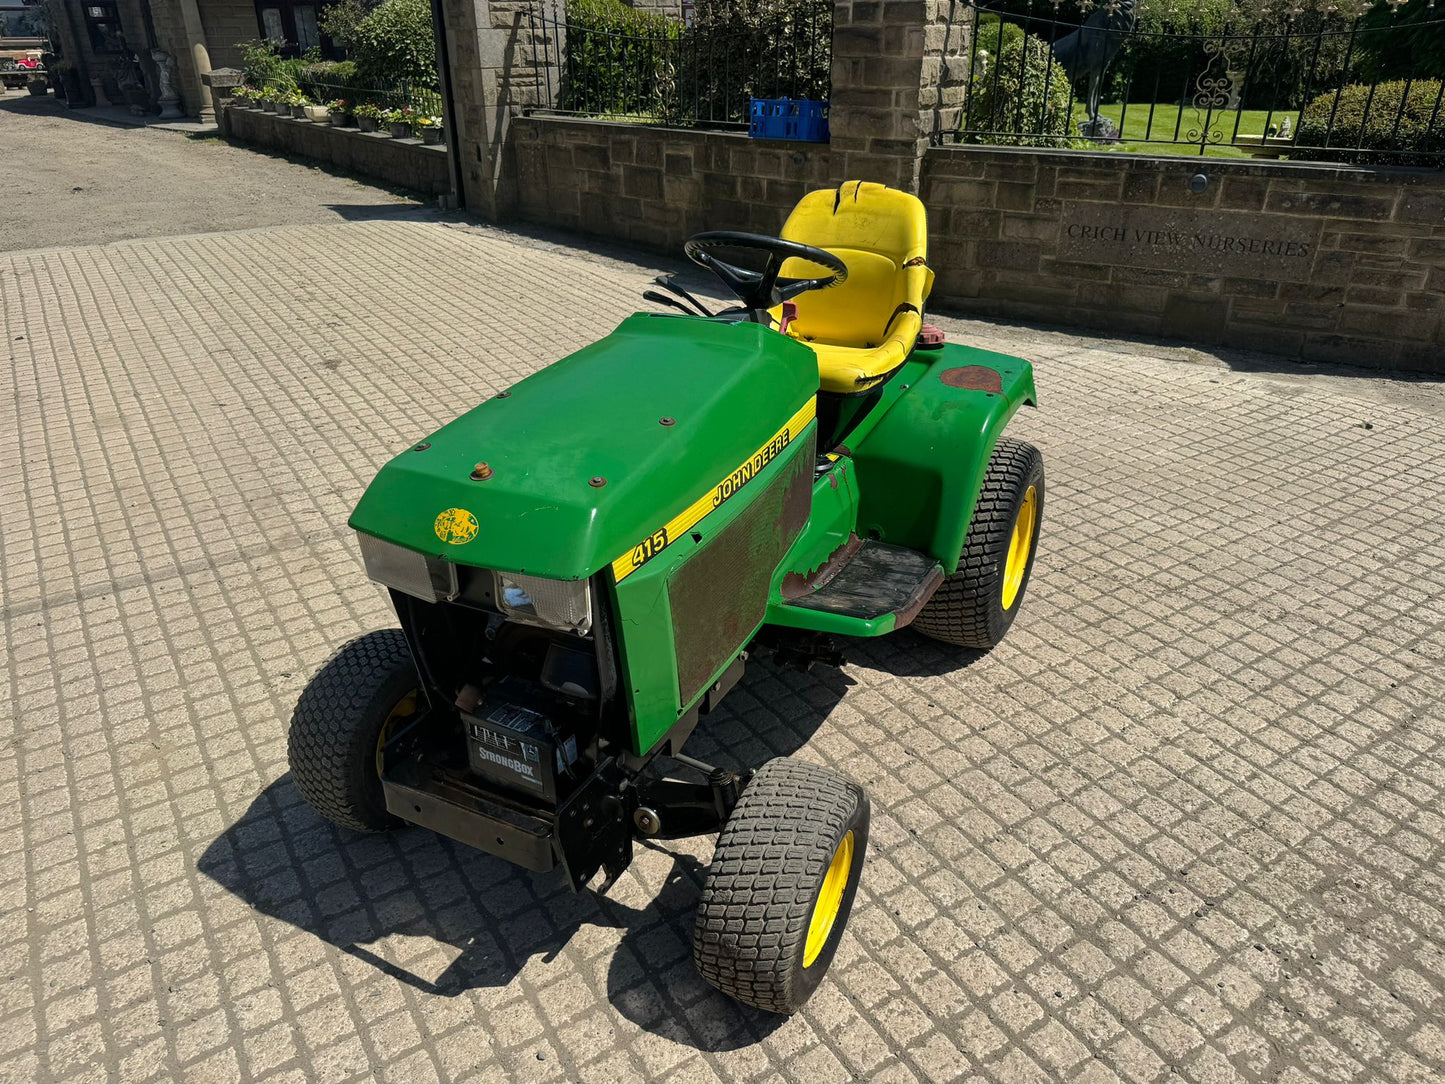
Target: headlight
{"points": [[428, 578], [553, 604]]}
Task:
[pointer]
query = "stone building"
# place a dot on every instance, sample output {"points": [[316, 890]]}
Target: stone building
{"points": [[121, 51]]}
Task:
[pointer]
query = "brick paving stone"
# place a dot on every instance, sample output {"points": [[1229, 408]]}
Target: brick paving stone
{"points": [[1184, 823]]}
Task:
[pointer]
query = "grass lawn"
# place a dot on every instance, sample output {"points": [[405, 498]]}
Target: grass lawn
{"points": [[1138, 127]]}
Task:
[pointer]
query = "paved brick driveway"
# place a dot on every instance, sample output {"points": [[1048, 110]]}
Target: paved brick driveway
{"points": [[1185, 824]]}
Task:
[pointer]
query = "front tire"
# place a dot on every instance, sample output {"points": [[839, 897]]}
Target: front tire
{"points": [[975, 605], [781, 885], [341, 721]]}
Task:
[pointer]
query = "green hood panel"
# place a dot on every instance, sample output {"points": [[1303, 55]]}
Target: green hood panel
{"points": [[594, 414]]}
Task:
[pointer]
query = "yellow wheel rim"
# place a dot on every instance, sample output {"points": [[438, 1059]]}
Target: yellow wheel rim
{"points": [[825, 910], [405, 709], [1019, 548]]}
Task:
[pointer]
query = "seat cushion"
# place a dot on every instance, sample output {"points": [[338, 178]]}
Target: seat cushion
{"points": [[846, 370], [855, 313]]}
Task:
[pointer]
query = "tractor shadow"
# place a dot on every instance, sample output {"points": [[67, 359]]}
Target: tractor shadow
{"points": [[444, 919], [906, 653]]}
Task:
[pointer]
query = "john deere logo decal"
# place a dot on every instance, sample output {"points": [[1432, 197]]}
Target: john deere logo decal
{"points": [[455, 526], [714, 498]]}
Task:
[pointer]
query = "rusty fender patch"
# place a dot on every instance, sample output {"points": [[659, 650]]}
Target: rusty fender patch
{"points": [[972, 378]]}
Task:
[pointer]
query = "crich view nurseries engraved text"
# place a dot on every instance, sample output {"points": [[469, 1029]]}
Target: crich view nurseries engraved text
{"points": [[1182, 239]]}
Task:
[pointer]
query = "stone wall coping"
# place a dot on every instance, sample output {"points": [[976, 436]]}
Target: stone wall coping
{"points": [[222, 77], [1115, 160], [672, 132], [354, 133]]}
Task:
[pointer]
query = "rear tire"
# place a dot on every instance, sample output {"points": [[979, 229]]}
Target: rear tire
{"points": [[975, 605], [337, 729], [781, 885]]}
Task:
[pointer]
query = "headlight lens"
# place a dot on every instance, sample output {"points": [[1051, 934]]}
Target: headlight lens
{"points": [[428, 578], [553, 604]]}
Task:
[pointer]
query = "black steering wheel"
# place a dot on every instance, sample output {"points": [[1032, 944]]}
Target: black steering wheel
{"points": [[761, 290]]}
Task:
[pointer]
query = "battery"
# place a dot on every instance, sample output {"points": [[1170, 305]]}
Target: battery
{"points": [[516, 747]]}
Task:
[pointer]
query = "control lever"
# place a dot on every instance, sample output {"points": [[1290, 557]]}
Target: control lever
{"points": [[662, 299], [667, 283]]}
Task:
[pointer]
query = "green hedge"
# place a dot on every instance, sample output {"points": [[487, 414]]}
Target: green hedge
{"points": [[396, 43], [1395, 122], [634, 63], [619, 60], [1022, 98]]}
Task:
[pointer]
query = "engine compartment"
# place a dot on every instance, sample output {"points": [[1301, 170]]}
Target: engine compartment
{"points": [[516, 708]]}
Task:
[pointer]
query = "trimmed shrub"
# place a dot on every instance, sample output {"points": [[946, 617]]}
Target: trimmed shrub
{"points": [[1374, 121], [993, 36], [741, 49], [1023, 99], [396, 43], [322, 81], [621, 61]]}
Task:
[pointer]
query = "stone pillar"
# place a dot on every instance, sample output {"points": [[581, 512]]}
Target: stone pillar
{"points": [[496, 51], [222, 83], [200, 56], [900, 68]]}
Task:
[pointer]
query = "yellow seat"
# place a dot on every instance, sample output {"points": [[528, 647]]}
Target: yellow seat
{"points": [[865, 328]]}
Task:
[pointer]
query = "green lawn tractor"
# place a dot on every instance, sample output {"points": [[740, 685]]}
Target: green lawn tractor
{"points": [[582, 565]]}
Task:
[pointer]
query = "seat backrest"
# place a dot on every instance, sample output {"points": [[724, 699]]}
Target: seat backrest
{"points": [[882, 235]]}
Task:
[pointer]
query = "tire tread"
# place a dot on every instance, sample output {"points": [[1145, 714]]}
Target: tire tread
{"points": [[964, 611], [771, 857]]}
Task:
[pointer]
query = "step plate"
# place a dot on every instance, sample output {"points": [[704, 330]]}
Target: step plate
{"points": [[880, 579]]}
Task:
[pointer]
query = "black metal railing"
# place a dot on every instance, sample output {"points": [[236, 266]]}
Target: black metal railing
{"points": [[656, 70], [1311, 87]]}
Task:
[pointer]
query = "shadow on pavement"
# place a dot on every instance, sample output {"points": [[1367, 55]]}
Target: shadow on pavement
{"points": [[1153, 346], [906, 653], [489, 918], [50, 106]]}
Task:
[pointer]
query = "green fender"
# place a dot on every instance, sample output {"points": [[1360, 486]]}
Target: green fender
{"points": [[921, 455]]}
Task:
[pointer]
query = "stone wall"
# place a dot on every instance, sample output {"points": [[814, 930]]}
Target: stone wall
{"points": [[1322, 262], [657, 186], [228, 23], [402, 162]]}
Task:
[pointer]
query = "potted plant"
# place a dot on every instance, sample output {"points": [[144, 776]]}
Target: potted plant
{"points": [[241, 96], [427, 128], [368, 116], [398, 122], [269, 99], [298, 103], [339, 110]]}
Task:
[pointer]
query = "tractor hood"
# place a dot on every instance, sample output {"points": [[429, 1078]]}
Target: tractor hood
{"points": [[594, 456]]}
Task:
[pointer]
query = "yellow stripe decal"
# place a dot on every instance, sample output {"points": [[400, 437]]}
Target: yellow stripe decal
{"points": [[714, 498]]}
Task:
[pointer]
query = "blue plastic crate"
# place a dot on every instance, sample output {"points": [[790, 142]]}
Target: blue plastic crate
{"points": [[786, 118]]}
